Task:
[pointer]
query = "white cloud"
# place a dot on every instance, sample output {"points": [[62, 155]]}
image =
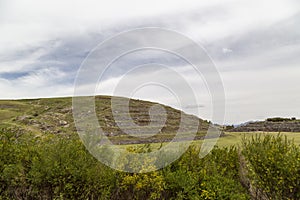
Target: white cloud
{"points": [[45, 82], [34, 32], [15, 63], [226, 50], [30, 22]]}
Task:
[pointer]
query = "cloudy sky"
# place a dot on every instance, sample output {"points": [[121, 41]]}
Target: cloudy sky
{"points": [[254, 44]]}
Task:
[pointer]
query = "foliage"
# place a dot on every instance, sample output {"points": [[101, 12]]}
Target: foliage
{"points": [[140, 185], [279, 119], [274, 166], [213, 177], [57, 166], [49, 168]]}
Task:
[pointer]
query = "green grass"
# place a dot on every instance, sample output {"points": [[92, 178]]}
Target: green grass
{"points": [[236, 138], [230, 139], [9, 109]]}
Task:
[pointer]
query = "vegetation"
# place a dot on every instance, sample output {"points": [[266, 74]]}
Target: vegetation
{"points": [[59, 167], [274, 166], [235, 138], [280, 119], [42, 158]]}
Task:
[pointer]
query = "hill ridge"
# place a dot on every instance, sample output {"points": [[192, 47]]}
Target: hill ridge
{"points": [[54, 115]]}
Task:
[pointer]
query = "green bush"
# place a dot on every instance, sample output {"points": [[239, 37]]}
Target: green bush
{"points": [[59, 167], [139, 185], [49, 168], [274, 166], [212, 177]]}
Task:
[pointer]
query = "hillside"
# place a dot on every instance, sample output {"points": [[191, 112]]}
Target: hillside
{"points": [[43, 158], [270, 125], [54, 115]]}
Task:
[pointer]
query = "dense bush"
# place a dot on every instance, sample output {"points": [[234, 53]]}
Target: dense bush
{"points": [[49, 168], [59, 167], [213, 177], [274, 166]]}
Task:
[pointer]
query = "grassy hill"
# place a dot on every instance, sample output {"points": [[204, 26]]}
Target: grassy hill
{"points": [[54, 115]]}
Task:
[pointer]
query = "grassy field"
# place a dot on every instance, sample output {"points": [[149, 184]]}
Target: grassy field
{"points": [[233, 139]]}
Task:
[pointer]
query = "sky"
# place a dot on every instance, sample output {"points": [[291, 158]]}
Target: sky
{"points": [[254, 45]]}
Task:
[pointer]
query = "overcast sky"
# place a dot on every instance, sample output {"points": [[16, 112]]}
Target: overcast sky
{"points": [[255, 45]]}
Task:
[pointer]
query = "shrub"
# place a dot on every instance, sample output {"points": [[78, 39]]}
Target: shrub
{"points": [[59, 167], [140, 185], [274, 166], [212, 177], [50, 167]]}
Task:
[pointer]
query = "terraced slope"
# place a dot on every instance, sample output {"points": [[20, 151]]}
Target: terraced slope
{"points": [[54, 115], [270, 125]]}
